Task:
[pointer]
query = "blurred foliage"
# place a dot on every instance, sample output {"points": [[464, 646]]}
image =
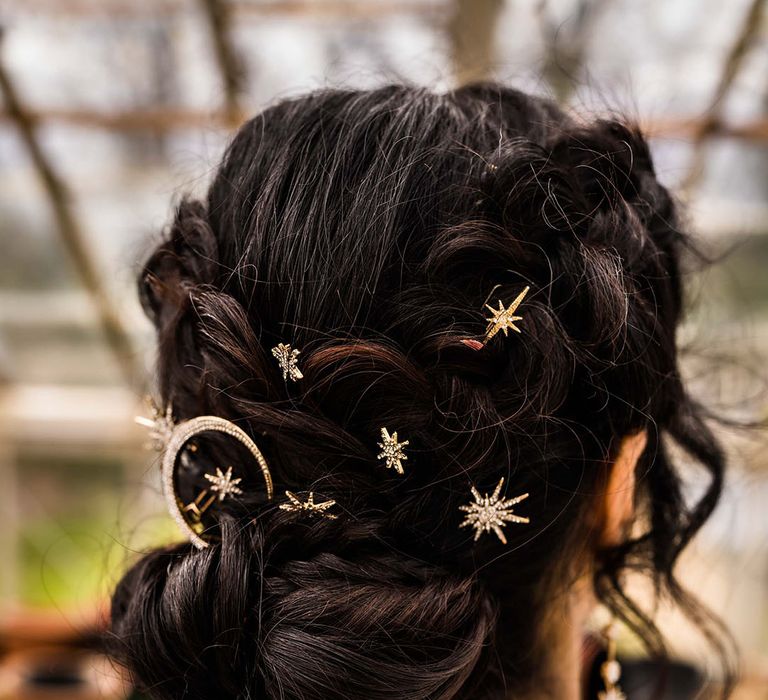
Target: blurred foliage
{"points": [[72, 542]]}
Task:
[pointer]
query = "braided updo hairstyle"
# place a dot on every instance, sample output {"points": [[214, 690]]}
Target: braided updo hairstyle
{"points": [[368, 229]]}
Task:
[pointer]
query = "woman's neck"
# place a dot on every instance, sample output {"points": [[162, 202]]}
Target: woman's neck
{"points": [[561, 644]]}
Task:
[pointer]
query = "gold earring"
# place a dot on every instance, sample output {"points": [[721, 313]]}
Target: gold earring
{"points": [[610, 670]]}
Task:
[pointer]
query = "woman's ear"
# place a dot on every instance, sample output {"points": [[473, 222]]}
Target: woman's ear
{"points": [[619, 505]]}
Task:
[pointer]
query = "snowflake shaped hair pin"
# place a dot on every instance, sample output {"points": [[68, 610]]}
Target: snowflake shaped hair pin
{"points": [[288, 358], [392, 451], [492, 512], [223, 483]]}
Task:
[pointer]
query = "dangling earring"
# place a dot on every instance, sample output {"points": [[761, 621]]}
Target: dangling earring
{"points": [[610, 670]]}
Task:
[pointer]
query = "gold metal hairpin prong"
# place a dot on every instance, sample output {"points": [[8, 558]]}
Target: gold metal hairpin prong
{"points": [[392, 451], [160, 425], [504, 318], [223, 483], [491, 512], [296, 505], [287, 358], [197, 508]]}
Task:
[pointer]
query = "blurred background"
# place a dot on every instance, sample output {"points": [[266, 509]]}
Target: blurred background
{"points": [[111, 108]]}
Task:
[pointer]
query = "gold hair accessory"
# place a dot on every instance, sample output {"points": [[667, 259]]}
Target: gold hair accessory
{"points": [[308, 506], [189, 516], [504, 319], [392, 451], [160, 425], [491, 512], [287, 358], [610, 669], [224, 484]]}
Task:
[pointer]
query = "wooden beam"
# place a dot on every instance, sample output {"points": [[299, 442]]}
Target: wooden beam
{"points": [[689, 129], [154, 120], [164, 120], [331, 9]]}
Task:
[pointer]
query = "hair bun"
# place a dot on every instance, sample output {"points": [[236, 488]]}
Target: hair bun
{"points": [[247, 617]]}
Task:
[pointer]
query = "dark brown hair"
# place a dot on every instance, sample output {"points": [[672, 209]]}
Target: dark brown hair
{"points": [[368, 228]]}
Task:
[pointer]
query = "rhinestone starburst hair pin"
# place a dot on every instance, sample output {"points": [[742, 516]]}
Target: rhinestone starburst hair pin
{"points": [[492, 512], [223, 486], [392, 451], [296, 505], [223, 483], [160, 425], [503, 319], [288, 358]]}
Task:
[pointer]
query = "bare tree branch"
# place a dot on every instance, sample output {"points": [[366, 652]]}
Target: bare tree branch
{"points": [[566, 45], [472, 31], [218, 14], [69, 229], [710, 121]]}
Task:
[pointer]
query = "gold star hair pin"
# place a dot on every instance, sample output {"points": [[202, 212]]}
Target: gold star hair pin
{"points": [[491, 512], [392, 451], [296, 505], [222, 484], [287, 358], [504, 319], [160, 425]]}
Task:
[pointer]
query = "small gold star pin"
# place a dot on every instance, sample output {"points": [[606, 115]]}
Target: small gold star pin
{"points": [[160, 425], [288, 358], [504, 319], [491, 512], [224, 484], [295, 504], [392, 451]]}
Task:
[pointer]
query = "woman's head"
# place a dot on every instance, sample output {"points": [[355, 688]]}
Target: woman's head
{"points": [[369, 229]]}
